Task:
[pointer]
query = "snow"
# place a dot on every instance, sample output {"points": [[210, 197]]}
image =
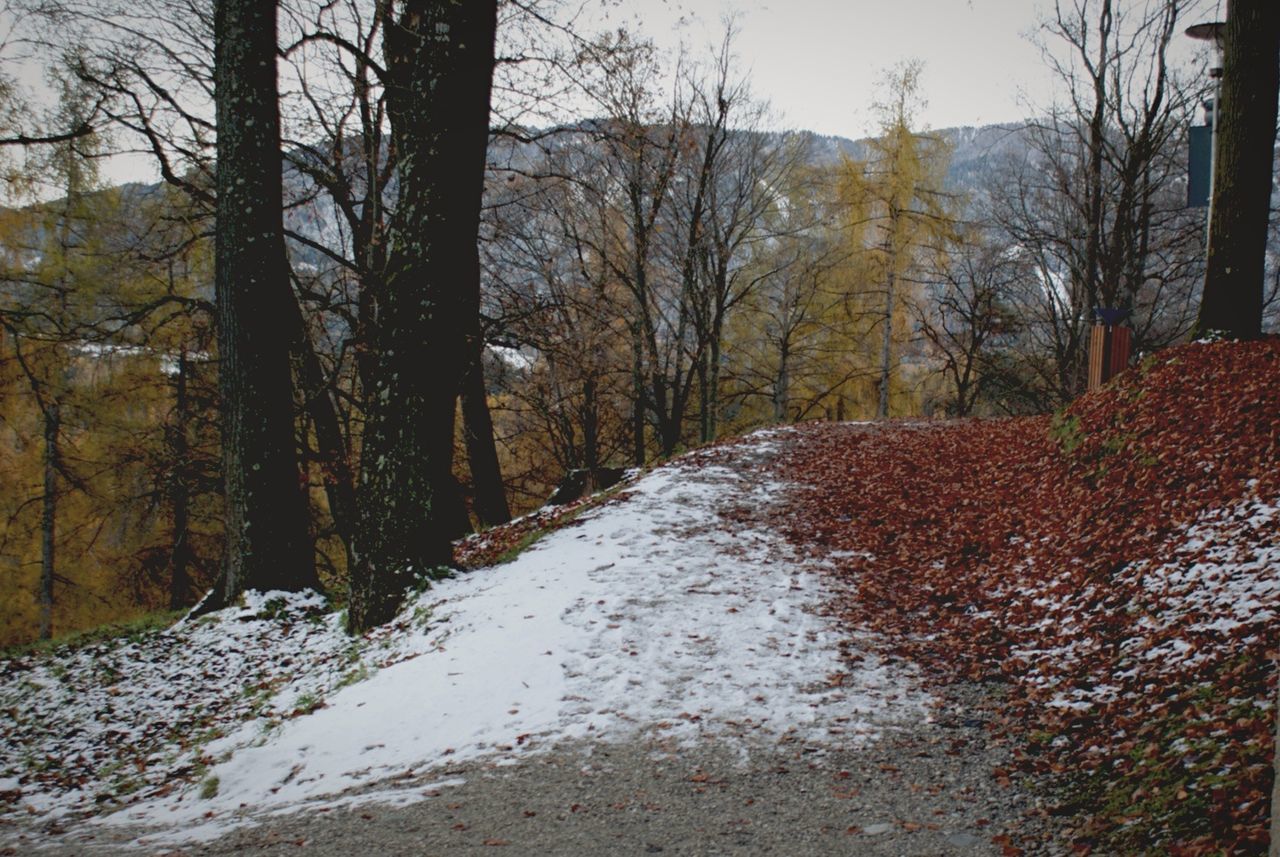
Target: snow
{"points": [[652, 616], [513, 357], [1226, 568], [1215, 580]]}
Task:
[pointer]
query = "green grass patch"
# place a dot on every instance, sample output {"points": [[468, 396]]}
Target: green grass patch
{"points": [[128, 631], [1065, 429], [1178, 782]]}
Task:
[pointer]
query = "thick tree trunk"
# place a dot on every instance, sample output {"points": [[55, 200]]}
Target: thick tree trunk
{"points": [[669, 432], [267, 540], [482, 453], [1233, 287], [439, 58], [49, 517]]}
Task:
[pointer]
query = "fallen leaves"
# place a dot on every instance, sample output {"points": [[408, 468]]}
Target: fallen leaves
{"points": [[1116, 563]]}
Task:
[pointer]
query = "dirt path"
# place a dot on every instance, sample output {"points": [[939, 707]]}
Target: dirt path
{"points": [[923, 790], [726, 721]]}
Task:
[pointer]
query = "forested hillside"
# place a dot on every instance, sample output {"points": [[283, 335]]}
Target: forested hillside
{"points": [[631, 257], [810, 595]]}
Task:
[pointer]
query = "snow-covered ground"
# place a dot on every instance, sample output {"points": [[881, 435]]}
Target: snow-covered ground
{"points": [[655, 614]]}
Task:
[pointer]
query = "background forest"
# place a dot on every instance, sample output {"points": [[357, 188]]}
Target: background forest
{"points": [[668, 268]]}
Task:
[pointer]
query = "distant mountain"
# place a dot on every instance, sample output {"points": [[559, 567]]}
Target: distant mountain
{"points": [[976, 151]]}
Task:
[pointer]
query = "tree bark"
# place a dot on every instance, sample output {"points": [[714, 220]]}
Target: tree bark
{"points": [[1095, 287], [439, 67], [590, 426], [267, 540], [1234, 274], [638, 446], [782, 384], [713, 377], [886, 345], [704, 399]]}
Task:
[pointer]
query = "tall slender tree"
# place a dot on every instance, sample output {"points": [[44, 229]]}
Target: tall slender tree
{"points": [[1234, 277], [267, 541], [439, 68], [903, 196], [39, 308]]}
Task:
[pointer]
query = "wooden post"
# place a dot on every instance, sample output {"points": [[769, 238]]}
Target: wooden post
{"points": [[1109, 351]]}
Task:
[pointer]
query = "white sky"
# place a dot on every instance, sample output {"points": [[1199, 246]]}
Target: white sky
{"points": [[820, 62]]}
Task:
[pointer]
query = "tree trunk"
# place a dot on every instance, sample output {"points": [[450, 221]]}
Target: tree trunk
{"points": [[886, 346], [439, 58], [713, 379], [482, 453], [782, 385], [1233, 286], [1095, 288], [180, 494], [704, 399], [669, 431], [49, 516], [335, 454], [267, 540], [637, 406], [590, 426]]}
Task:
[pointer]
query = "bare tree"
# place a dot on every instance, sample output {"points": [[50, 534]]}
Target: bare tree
{"points": [[968, 311], [744, 172], [1095, 204]]}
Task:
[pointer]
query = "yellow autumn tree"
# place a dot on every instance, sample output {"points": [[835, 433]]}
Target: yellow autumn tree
{"points": [[897, 215]]}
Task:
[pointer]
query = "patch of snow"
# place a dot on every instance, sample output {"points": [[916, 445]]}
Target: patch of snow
{"points": [[653, 615], [1212, 582], [516, 358]]}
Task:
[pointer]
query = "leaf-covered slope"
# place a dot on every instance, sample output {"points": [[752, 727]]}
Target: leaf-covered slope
{"points": [[1120, 562]]}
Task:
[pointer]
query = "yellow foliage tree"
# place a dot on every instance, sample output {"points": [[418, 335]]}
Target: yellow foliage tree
{"points": [[897, 214]]}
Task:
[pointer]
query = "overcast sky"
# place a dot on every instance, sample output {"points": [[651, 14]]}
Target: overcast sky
{"points": [[819, 62]]}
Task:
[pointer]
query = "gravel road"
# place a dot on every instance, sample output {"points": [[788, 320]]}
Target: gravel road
{"points": [[923, 789]]}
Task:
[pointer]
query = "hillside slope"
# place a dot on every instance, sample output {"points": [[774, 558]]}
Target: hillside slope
{"points": [[658, 617], [1118, 564], [799, 600]]}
